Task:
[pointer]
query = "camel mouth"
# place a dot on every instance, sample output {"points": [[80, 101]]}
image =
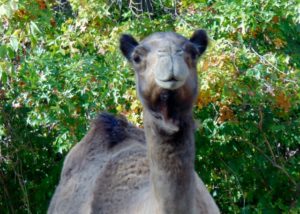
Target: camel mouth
{"points": [[170, 84]]}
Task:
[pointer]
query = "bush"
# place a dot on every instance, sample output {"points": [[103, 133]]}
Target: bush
{"points": [[60, 65]]}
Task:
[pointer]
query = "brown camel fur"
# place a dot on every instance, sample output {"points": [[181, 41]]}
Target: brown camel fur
{"points": [[120, 169]]}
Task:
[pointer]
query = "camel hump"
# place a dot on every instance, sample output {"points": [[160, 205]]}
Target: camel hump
{"points": [[114, 128]]}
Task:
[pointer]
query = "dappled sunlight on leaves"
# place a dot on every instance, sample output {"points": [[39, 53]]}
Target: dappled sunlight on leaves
{"points": [[60, 65]]}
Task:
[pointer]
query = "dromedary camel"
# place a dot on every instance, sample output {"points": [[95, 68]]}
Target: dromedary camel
{"points": [[120, 169]]}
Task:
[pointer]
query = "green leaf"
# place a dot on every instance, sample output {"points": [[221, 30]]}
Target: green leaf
{"points": [[34, 29], [3, 75], [14, 43], [3, 51]]}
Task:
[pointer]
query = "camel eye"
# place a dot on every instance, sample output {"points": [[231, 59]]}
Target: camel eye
{"points": [[193, 55], [137, 59], [192, 51], [139, 54]]}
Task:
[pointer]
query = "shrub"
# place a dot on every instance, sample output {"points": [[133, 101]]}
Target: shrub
{"points": [[60, 65]]}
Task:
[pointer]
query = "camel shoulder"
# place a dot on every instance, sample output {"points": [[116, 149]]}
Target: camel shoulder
{"points": [[112, 142], [108, 135]]}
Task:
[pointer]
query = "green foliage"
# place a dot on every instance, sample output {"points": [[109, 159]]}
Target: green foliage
{"points": [[60, 65]]}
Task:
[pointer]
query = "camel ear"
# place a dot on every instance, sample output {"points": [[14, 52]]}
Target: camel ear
{"points": [[127, 45], [200, 40]]}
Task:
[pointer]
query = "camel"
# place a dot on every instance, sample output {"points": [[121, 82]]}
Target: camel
{"points": [[118, 168]]}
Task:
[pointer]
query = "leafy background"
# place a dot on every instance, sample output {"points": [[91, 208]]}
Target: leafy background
{"points": [[60, 65]]}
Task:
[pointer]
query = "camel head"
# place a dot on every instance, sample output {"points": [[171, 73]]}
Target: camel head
{"points": [[165, 69]]}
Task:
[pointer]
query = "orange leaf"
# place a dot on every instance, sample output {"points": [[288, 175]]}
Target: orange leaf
{"points": [[279, 43], [42, 4], [283, 101], [225, 114]]}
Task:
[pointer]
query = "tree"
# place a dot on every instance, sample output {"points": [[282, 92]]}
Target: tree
{"points": [[60, 65]]}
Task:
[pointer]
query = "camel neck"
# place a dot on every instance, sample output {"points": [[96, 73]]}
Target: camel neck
{"points": [[171, 160]]}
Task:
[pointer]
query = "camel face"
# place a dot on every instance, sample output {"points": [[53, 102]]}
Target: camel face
{"points": [[165, 68], [166, 62]]}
